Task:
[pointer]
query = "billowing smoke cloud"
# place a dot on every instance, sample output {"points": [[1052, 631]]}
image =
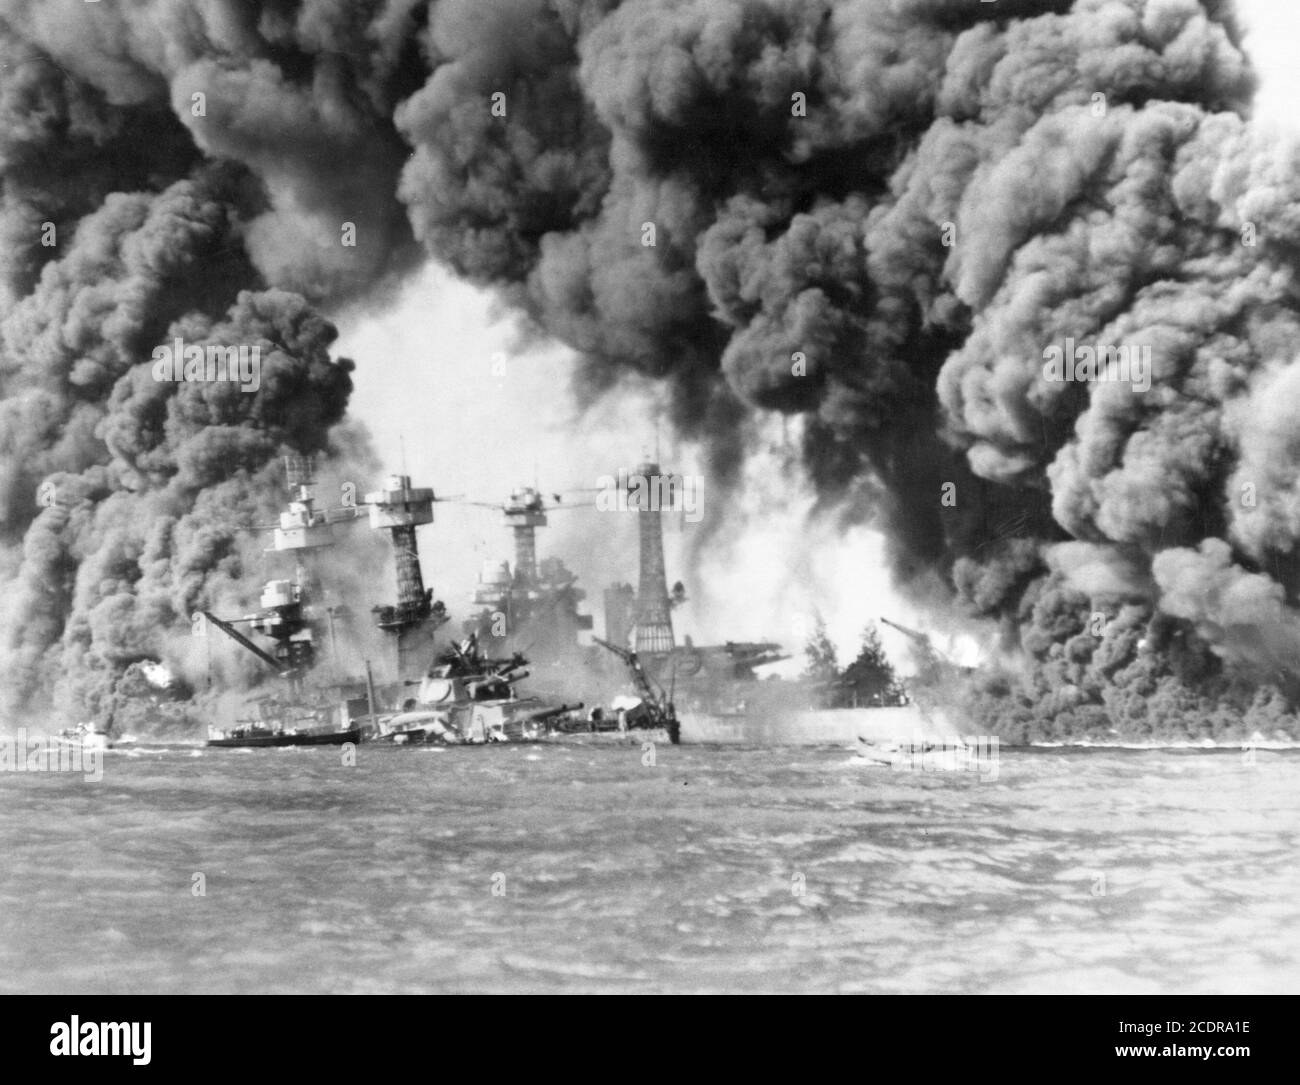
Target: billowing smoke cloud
{"points": [[128, 223], [144, 484], [876, 215], [879, 216]]}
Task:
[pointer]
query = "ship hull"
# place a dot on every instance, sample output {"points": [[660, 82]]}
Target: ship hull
{"points": [[808, 727], [320, 738], [637, 736]]}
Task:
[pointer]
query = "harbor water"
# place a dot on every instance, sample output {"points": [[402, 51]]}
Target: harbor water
{"points": [[621, 867]]}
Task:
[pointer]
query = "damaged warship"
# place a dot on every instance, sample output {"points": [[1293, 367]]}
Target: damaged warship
{"points": [[719, 696], [467, 698], [464, 697], [468, 694]]}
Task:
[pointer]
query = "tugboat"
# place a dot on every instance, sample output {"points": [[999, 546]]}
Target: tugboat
{"points": [[468, 699]]}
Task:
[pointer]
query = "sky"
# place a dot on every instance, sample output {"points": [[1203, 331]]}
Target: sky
{"points": [[452, 398], [1273, 42]]}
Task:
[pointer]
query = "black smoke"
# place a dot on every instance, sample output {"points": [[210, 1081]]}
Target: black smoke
{"points": [[916, 197]]}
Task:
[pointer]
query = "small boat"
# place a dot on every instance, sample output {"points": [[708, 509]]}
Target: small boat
{"points": [[87, 736], [291, 723], [253, 736], [925, 755]]}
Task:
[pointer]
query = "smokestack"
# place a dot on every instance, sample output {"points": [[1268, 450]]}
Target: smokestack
{"points": [[649, 493]]}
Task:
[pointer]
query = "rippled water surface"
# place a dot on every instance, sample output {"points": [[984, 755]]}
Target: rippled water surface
{"points": [[714, 869]]}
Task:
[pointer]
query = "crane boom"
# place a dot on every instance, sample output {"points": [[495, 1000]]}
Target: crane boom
{"points": [[639, 677], [929, 651], [239, 637], [659, 703]]}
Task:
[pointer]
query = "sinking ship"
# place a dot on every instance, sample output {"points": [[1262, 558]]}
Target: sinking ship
{"points": [[467, 693], [463, 697], [670, 690], [467, 698]]}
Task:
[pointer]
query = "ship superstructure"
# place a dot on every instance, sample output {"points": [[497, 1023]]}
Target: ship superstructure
{"points": [[649, 493], [464, 696], [398, 509], [294, 615], [534, 601], [288, 613], [642, 619]]}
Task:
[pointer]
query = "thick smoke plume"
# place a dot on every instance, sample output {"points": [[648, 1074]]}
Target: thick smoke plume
{"points": [[874, 214], [121, 497]]}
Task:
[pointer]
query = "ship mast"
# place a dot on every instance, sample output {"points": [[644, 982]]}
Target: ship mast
{"points": [[399, 509]]}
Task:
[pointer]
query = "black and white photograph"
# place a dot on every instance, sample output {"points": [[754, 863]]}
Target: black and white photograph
{"points": [[650, 497]]}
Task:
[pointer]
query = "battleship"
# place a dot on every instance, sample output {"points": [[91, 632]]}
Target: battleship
{"points": [[535, 597], [636, 680], [841, 711], [464, 697], [301, 715], [718, 694]]}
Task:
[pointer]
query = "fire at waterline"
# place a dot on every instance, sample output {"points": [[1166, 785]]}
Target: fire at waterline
{"points": [[427, 684]]}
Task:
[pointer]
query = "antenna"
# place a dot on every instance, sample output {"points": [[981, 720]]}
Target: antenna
{"points": [[401, 444]]}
